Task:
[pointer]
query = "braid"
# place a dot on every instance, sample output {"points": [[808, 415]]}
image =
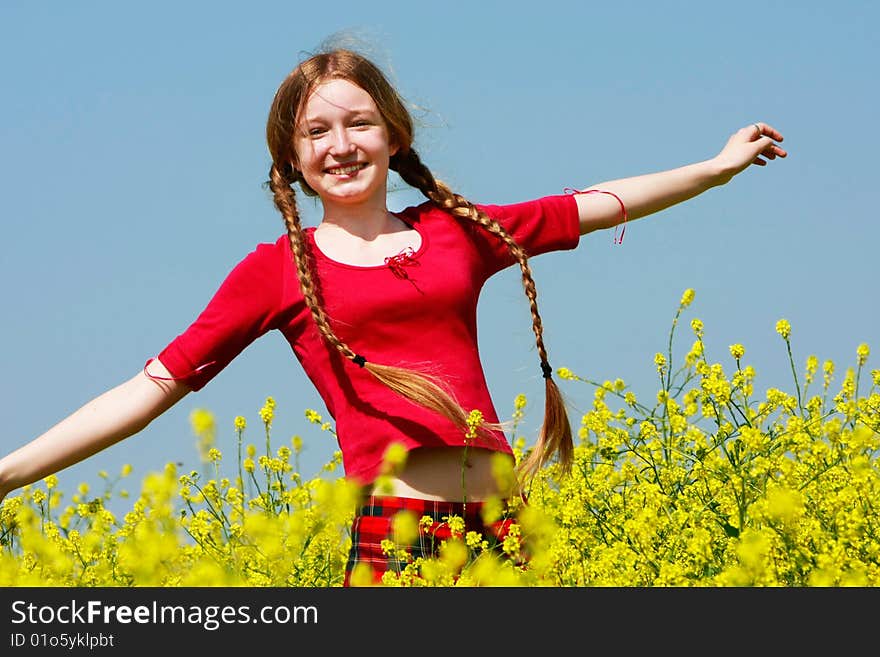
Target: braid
{"points": [[555, 435], [285, 202], [419, 388]]}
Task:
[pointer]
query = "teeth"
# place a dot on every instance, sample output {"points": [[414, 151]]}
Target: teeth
{"points": [[346, 170]]}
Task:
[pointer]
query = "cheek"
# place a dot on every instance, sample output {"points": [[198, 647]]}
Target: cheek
{"points": [[307, 154], [378, 145]]}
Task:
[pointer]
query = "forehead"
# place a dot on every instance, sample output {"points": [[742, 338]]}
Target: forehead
{"points": [[337, 95]]}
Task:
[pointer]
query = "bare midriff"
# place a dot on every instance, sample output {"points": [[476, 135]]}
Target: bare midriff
{"points": [[444, 473]]}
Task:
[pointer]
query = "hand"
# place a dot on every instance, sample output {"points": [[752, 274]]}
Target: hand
{"points": [[754, 144]]}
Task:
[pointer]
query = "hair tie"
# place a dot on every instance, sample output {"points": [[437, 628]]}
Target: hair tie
{"points": [[546, 369], [360, 360], [156, 377], [617, 239]]}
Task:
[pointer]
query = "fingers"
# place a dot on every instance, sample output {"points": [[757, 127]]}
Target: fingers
{"points": [[769, 150], [772, 151], [760, 129], [756, 143], [763, 132]]}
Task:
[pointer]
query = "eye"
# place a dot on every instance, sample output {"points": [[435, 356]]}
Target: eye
{"points": [[316, 132]]}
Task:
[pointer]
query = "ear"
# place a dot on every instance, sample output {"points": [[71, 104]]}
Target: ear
{"points": [[393, 145]]}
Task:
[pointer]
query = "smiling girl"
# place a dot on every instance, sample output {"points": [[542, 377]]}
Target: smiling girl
{"points": [[380, 307]]}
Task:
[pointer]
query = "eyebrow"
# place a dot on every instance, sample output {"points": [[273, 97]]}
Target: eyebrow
{"points": [[349, 111]]}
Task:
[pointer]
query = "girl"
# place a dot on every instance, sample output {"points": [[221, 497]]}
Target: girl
{"points": [[380, 307]]}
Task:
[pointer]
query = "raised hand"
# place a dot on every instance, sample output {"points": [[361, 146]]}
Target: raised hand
{"points": [[754, 144]]}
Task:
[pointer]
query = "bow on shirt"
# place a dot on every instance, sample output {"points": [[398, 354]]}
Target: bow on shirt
{"points": [[397, 263]]}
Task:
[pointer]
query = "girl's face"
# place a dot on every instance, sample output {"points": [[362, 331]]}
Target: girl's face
{"points": [[342, 144]]}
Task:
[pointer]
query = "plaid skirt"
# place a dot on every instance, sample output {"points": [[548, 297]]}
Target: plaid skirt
{"points": [[374, 523]]}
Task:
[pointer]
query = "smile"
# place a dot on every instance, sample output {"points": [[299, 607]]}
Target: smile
{"points": [[346, 170]]}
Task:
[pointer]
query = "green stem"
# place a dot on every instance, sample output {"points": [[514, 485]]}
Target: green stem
{"points": [[794, 374], [463, 467]]}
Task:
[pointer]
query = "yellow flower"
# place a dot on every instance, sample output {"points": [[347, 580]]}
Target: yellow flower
{"points": [[512, 542], [567, 374], [474, 421], [456, 524], [395, 456], [660, 362], [503, 472], [647, 429], [862, 353], [383, 485], [828, 372], [812, 365], [737, 351], [474, 540], [687, 298], [405, 527], [202, 422], [240, 423], [453, 554], [205, 430], [362, 575], [694, 354], [425, 523], [784, 504], [697, 327], [783, 328], [267, 413]]}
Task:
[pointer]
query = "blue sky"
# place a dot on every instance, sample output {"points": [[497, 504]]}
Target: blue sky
{"points": [[132, 155]]}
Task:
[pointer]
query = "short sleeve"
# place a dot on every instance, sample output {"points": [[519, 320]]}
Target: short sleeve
{"points": [[245, 306], [539, 226]]}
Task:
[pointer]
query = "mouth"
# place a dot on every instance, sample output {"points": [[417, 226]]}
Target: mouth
{"points": [[347, 170]]}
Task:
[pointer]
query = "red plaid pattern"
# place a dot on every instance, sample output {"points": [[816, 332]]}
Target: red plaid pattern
{"points": [[373, 523]]}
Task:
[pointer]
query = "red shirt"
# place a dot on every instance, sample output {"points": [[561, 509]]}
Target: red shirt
{"points": [[417, 311]]}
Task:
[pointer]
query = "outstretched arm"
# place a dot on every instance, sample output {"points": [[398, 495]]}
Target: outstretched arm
{"points": [[116, 414], [647, 194]]}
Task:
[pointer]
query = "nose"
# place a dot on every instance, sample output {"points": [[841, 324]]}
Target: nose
{"points": [[340, 143]]}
